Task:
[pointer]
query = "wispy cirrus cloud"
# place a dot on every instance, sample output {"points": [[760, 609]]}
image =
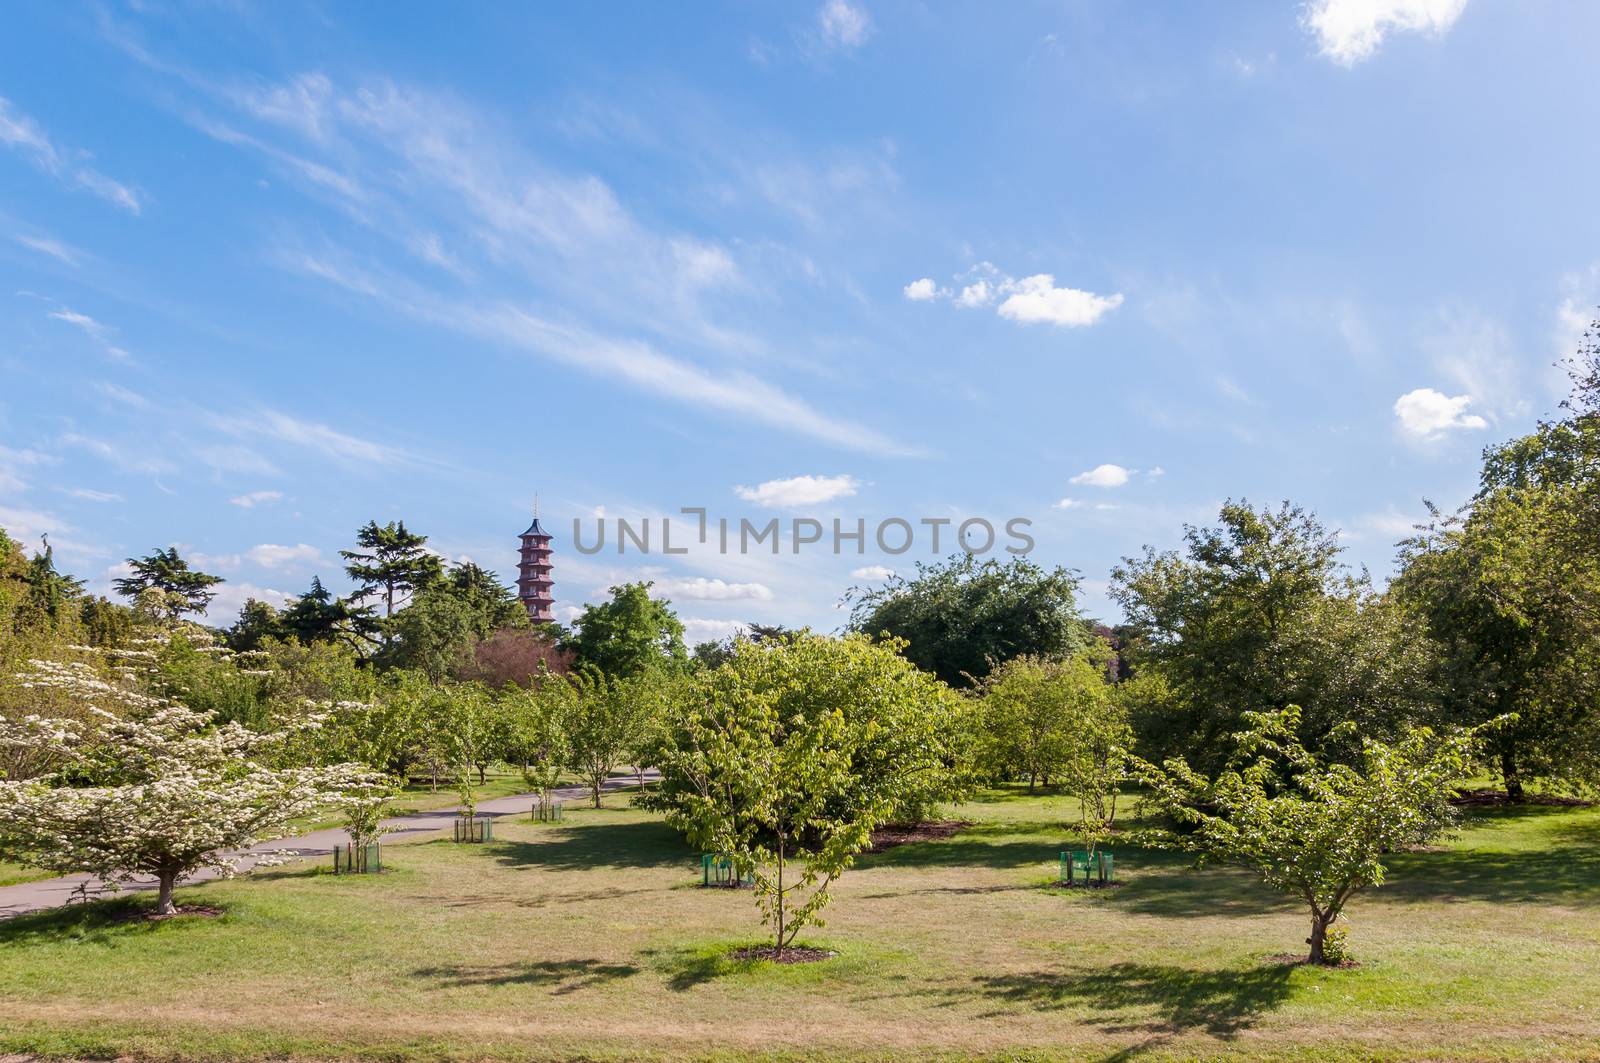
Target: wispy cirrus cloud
{"points": [[26, 137], [452, 188], [252, 499], [47, 246]]}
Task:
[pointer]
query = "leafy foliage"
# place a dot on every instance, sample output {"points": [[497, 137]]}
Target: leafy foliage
{"points": [[182, 589], [628, 634], [793, 751], [1314, 829], [961, 618]]}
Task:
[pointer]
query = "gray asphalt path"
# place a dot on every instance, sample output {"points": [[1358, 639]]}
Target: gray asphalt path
{"points": [[54, 892]]}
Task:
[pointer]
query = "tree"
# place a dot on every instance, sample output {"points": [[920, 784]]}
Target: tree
{"points": [[431, 635], [184, 590], [1258, 613], [317, 616], [539, 716], [170, 795], [961, 618], [1060, 720], [793, 751], [448, 619], [391, 563], [512, 655], [1509, 588], [257, 622], [1309, 827], [603, 724], [629, 633]]}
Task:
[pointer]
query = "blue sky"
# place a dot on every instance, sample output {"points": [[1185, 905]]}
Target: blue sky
{"points": [[268, 271]]}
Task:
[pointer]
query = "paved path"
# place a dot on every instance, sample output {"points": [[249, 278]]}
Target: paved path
{"points": [[55, 892]]}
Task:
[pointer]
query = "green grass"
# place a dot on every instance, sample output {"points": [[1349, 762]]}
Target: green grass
{"points": [[589, 939]]}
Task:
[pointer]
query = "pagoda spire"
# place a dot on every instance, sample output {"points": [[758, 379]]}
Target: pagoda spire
{"points": [[534, 584]]}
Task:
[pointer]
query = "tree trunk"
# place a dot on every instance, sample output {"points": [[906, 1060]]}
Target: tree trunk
{"points": [[482, 777], [1320, 922], [1508, 768], [779, 955], [164, 905], [595, 783], [1033, 777]]}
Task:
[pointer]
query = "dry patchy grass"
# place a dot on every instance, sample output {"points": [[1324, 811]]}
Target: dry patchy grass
{"points": [[591, 939]]}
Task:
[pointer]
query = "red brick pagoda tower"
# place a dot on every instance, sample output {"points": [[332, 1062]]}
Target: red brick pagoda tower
{"points": [[533, 572]]}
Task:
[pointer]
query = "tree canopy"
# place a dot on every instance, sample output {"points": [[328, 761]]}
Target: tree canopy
{"points": [[964, 616]]}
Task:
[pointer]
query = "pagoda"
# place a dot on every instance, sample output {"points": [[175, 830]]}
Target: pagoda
{"points": [[533, 572]]}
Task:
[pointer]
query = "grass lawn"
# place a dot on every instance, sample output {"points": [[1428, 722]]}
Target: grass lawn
{"points": [[589, 939]]}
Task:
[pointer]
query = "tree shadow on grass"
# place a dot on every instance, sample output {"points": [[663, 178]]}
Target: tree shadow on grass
{"points": [[1175, 888], [98, 920], [565, 976], [582, 846], [981, 845], [1151, 998], [1558, 873]]}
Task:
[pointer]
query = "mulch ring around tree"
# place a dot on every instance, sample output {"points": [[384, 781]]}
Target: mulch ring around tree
{"points": [[1094, 884], [204, 910], [1298, 959], [894, 834], [1488, 797], [792, 954]]}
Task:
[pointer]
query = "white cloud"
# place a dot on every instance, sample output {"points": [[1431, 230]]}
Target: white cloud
{"points": [[1349, 31], [698, 629], [54, 248], [1067, 503], [283, 428], [1038, 301], [83, 321], [1390, 524], [843, 24], [1106, 475], [90, 495], [873, 572], [12, 461], [271, 555], [701, 589], [22, 134], [978, 293], [1028, 301], [1428, 414], [1156, 473], [231, 597], [1576, 313], [95, 330], [255, 498], [799, 491]]}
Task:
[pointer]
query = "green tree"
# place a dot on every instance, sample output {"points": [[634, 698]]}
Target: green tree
{"points": [[787, 756], [184, 590], [539, 716], [1259, 613], [257, 622], [1311, 828], [1510, 589], [604, 723], [629, 633], [961, 618], [390, 563]]}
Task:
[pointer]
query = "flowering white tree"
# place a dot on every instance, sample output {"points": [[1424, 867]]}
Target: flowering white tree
{"points": [[171, 794]]}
